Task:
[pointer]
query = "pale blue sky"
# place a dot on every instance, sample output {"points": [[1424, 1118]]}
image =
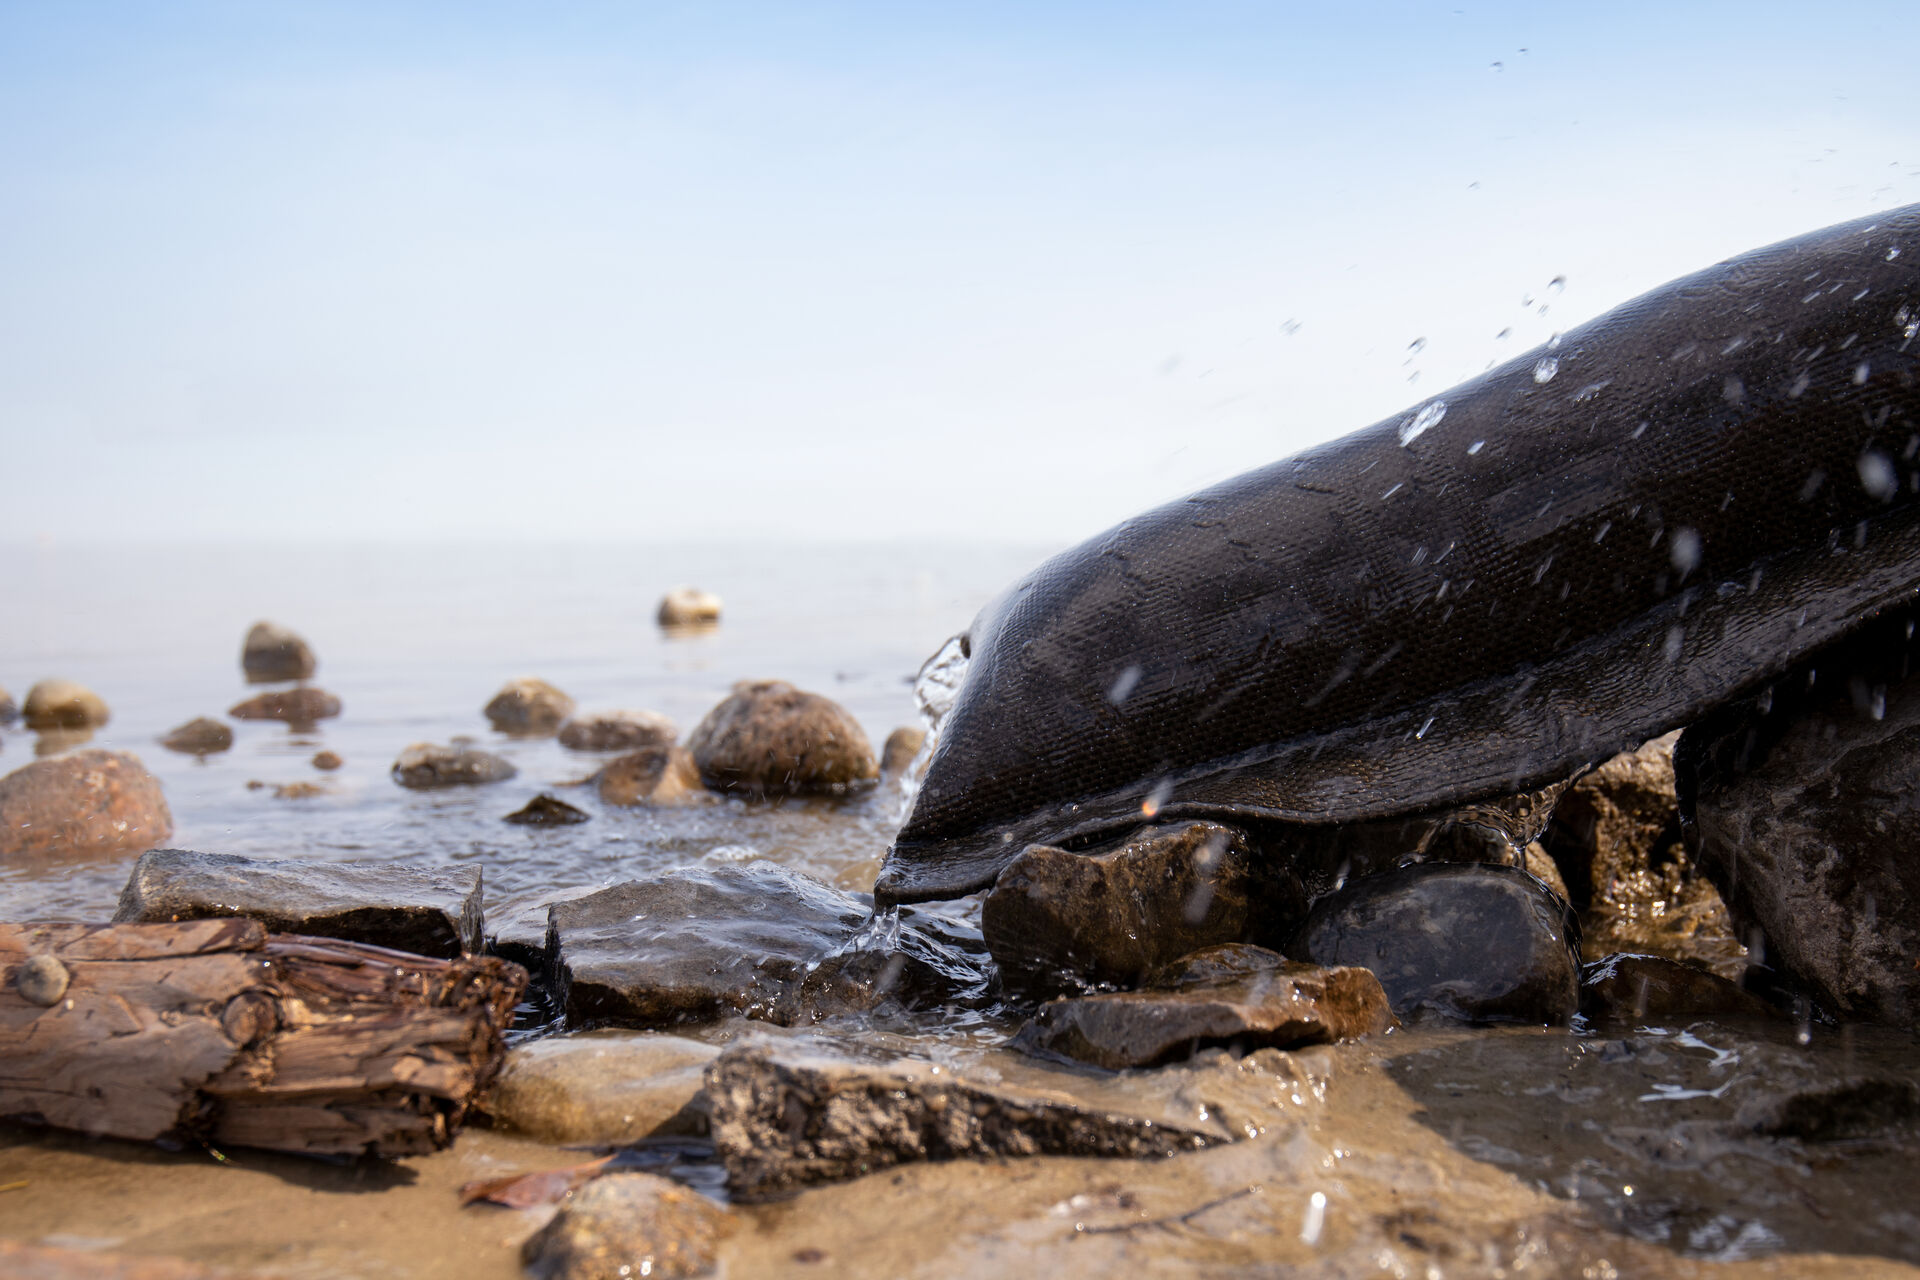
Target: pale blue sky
{"points": [[831, 272]]}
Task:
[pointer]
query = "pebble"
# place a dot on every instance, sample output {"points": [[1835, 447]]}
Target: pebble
{"points": [[546, 811], [199, 737], [602, 1087], [689, 607], [769, 738], [426, 765], [622, 1226], [273, 653], [297, 707], [657, 775], [618, 731], [63, 704], [528, 708]]}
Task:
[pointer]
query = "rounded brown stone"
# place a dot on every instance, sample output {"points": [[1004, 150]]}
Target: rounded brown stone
{"points": [[769, 738], [272, 652], [528, 707], [63, 704], [90, 802]]}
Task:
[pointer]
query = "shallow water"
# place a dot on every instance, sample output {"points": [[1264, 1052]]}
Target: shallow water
{"points": [[415, 639]]}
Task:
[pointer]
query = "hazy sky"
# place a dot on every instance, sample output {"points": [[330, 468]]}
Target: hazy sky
{"points": [[793, 270]]}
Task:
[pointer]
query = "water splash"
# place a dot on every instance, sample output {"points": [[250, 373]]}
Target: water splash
{"points": [[1546, 368], [934, 690], [1429, 416]]}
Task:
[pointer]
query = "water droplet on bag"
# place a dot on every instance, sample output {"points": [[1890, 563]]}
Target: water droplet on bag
{"points": [[1877, 475], [1428, 416], [1544, 371], [1684, 550]]}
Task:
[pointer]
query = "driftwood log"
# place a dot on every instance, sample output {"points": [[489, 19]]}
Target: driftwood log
{"points": [[218, 1031]]}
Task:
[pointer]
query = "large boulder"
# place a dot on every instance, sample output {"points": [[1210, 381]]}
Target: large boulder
{"points": [[769, 738], [430, 912], [656, 775], [689, 607], [602, 1087], [1473, 941], [63, 704], [528, 708], [618, 731], [272, 653], [90, 802], [199, 737], [1067, 922], [426, 765], [1281, 1006], [297, 707], [756, 938], [629, 1225], [1803, 804]]}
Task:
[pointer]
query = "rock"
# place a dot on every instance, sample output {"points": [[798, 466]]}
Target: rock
{"points": [[42, 980], [1281, 1007], [425, 765], [1803, 805], [1632, 988], [698, 942], [298, 790], [271, 653], [769, 738], [201, 737], [546, 811], [295, 706], [62, 704], [1615, 837], [789, 1113], [1066, 922], [689, 607], [430, 912], [657, 775], [91, 802], [625, 1225], [327, 760], [602, 1087], [528, 708], [9, 712], [1226, 962], [1852, 1109], [20, 1261], [1473, 941], [618, 731], [902, 745]]}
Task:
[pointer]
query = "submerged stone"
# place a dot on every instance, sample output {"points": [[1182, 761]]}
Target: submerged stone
{"points": [[430, 912], [295, 706], [769, 738], [546, 811], [1803, 804], [654, 775], [1059, 921], [618, 731], [755, 938], [199, 737], [90, 802], [626, 1225], [63, 704], [1473, 941], [272, 652], [1850, 1109], [602, 1087], [528, 707], [902, 745], [1635, 988], [1280, 1007], [426, 765], [327, 760]]}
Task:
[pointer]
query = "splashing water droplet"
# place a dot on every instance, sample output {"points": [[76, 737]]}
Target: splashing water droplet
{"points": [[1893, 253], [1877, 475], [1546, 369], [1156, 799], [1557, 285], [1476, 446], [1416, 346], [1428, 416], [1315, 1219], [1123, 685], [1503, 335], [1684, 550], [1861, 373], [1676, 638], [1421, 732], [934, 690]]}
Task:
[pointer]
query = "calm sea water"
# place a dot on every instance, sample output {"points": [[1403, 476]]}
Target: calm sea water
{"points": [[416, 639]]}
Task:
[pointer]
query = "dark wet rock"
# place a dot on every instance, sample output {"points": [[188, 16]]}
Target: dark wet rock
{"points": [[689, 607], [787, 1115], [698, 942], [618, 731], [9, 712], [546, 811], [656, 775], [1615, 837], [201, 737], [433, 912], [1226, 962], [272, 652], [1803, 804], [769, 738], [902, 745], [327, 760], [295, 706], [1479, 942], [1066, 922], [90, 802], [63, 704], [528, 708], [1634, 988], [602, 1087], [1836, 1112], [1280, 1007], [426, 765], [623, 1225]]}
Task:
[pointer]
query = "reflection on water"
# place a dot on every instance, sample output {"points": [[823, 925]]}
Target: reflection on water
{"points": [[415, 640]]}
